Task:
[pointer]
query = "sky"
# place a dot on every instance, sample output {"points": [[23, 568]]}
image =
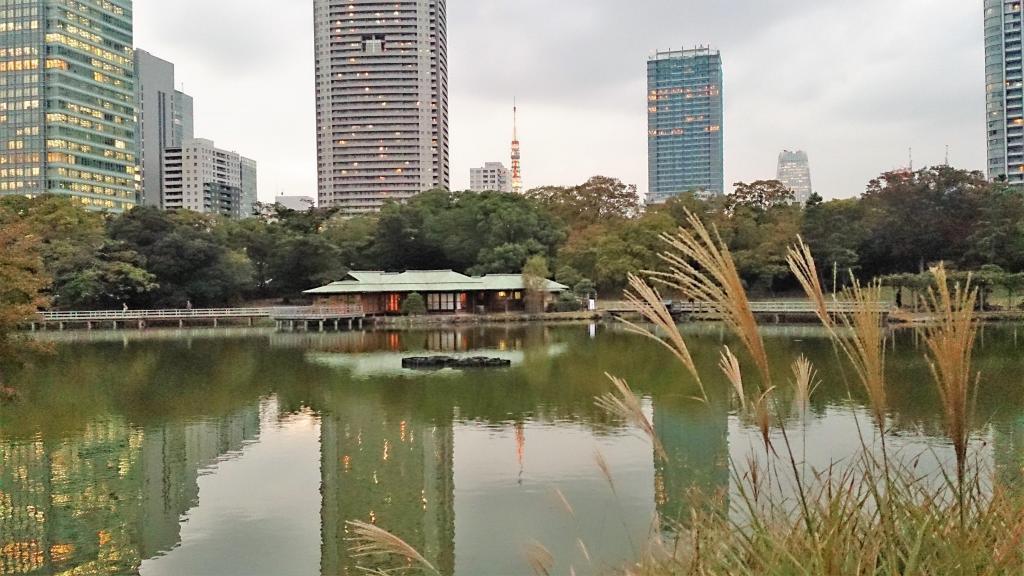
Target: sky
{"points": [[855, 84]]}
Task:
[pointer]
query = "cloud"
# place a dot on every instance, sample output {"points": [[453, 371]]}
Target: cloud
{"points": [[853, 83]]}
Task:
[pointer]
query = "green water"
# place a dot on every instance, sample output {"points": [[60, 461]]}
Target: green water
{"points": [[244, 453]]}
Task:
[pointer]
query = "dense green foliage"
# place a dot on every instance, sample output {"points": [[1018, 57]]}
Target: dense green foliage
{"points": [[591, 235], [414, 305]]}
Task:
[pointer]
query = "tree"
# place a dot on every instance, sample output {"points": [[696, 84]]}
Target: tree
{"points": [[568, 276], [761, 195], [414, 305], [598, 200], [302, 262], [111, 277], [835, 231], [22, 281], [535, 280], [913, 220], [189, 255]]}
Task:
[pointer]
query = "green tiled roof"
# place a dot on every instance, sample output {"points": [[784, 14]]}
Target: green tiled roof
{"points": [[425, 281]]}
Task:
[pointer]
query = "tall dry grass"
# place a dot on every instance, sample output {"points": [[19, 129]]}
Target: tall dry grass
{"points": [[872, 516]]}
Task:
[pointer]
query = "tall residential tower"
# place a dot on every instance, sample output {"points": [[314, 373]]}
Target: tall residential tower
{"points": [[1004, 82], [684, 123], [67, 101], [381, 101], [795, 173]]}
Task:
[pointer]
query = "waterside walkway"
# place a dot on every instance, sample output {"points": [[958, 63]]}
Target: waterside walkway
{"points": [[293, 317]]}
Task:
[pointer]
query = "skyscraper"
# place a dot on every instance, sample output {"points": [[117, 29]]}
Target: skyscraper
{"points": [[381, 100], [1004, 83], [165, 121], [67, 101], [795, 174], [684, 123]]}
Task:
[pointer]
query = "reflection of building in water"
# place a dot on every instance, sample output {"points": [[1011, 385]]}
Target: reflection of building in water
{"points": [[72, 506], [390, 468], [103, 501], [1008, 452], [696, 439], [172, 458], [442, 341]]}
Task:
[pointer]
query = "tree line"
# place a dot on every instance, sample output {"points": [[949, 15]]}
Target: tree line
{"points": [[590, 236]]}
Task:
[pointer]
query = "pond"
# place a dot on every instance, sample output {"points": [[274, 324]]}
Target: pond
{"points": [[245, 452]]}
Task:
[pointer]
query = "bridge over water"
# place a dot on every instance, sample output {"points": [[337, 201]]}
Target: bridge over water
{"points": [[292, 317], [790, 309]]}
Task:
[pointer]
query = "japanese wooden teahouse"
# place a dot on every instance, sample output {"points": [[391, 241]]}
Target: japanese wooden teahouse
{"points": [[443, 291]]}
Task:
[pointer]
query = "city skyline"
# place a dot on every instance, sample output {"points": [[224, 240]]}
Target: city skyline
{"points": [[573, 87]]}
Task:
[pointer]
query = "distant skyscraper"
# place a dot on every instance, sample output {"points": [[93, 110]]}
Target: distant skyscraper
{"points": [[492, 177], [1004, 80], [684, 123], [517, 166], [67, 101], [165, 121], [795, 174], [381, 100], [203, 178]]}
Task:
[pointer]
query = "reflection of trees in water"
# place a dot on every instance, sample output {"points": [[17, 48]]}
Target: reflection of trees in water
{"points": [[109, 436]]}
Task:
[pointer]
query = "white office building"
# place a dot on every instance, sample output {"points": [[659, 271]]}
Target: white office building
{"points": [[493, 176], [201, 177]]}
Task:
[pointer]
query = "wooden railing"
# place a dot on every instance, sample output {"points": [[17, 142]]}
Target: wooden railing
{"points": [[782, 307], [201, 314]]}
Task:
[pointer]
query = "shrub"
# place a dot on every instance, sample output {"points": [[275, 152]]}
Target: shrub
{"points": [[567, 302], [414, 305]]}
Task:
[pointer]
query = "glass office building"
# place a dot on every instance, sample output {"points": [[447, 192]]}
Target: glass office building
{"points": [[684, 123], [1004, 84], [67, 102]]}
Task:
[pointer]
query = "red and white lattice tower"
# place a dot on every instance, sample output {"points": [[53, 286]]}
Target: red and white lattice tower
{"points": [[517, 169]]}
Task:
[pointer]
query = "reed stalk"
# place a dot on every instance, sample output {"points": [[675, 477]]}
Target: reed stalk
{"points": [[950, 348], [701, 267]]}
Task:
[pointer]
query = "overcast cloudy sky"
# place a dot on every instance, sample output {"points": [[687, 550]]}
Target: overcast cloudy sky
{"points": [[854, 83]]}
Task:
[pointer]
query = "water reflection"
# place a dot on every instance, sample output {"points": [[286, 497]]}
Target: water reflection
{"points": [[246, 452]]}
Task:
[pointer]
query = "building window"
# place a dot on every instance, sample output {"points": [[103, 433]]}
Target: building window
{"points": [[441, 302], [394, 303]]}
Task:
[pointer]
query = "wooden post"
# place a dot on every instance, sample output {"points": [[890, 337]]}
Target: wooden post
{"points": [[181, 323], [321, 325], [214, 322], [250, 322], [88, 325], [61, 326], [115, 324]]}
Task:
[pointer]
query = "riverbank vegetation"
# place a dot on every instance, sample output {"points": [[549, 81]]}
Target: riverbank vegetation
{"points": [[22, 281], [878, 513], [592, 237]]}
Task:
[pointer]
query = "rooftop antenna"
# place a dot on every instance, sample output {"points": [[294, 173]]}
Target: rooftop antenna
{"points": [[947, 155]]}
